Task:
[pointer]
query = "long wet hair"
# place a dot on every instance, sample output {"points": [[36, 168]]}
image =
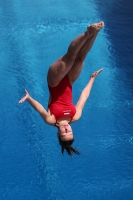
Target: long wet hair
{"points": [[66, 145]]}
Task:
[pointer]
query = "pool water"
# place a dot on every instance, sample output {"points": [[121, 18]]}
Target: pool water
{"points": [[32, 36]]}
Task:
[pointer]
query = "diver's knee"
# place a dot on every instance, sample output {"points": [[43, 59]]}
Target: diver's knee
{"points": [[80, 58]]}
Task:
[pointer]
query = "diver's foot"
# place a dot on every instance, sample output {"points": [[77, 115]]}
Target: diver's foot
{"points": [[94, 75], [95, 28]]}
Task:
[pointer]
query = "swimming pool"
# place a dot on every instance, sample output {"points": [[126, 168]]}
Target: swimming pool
{"points": [[31, 165]]}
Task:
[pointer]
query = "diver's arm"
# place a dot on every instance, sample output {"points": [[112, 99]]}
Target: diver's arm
{"points": [[38, 107], [35, 104], [82, 99], [85, 95]]}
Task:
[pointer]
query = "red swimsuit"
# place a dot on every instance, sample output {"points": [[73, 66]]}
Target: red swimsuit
{"points": [[61, 100]]}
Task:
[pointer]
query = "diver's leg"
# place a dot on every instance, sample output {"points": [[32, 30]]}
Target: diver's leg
{"points": [[63, 65], [76, 69]]}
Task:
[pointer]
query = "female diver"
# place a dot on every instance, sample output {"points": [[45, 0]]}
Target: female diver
{"points": [[61, 76]]}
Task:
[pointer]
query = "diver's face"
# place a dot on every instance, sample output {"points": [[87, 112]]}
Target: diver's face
{"points": [[65, 131]]}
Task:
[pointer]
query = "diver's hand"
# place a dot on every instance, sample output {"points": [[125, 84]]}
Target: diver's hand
{"points": [[26, 97], [94, 75]]}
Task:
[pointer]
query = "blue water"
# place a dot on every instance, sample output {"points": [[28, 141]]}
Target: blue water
{"points": [[33, 34]]}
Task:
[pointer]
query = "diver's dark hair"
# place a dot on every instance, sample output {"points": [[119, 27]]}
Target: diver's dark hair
{"points": [[66, 145]]}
